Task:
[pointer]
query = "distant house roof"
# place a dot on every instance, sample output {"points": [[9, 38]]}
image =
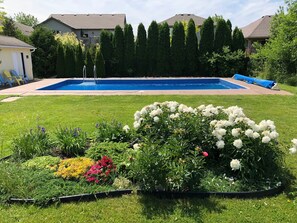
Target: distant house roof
{"points": [[258, 29], [90, 21], [12, 42], [184, 17], [26, 30]]}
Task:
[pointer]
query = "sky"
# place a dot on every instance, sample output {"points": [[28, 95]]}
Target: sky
{"points": [[240, 12]]}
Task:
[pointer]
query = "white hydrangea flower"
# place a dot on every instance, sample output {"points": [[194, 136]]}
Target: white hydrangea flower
{"points": [[156, 119], [237, 143], [266, 139], [136, 146], [235, 164], [156, 112], [220, 144], [293, 150], [213, 123], [136, 125], [294, 141], [273, 135], [201, 107], [126, 128], [266, 133], [263, 125], [137, 115], [256, 128], [174, 116], [249, 133], [236, 132], [256, 135]]}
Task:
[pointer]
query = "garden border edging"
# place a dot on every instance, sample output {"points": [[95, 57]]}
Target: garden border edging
{"points": [[241, 195]]}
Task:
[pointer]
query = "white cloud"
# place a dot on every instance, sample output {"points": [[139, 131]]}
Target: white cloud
{"points": [[240, 12]]}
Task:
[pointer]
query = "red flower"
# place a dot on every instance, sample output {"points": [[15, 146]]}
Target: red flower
{"points": [[205, 154]]}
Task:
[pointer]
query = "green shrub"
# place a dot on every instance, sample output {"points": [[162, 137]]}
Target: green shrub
{"points": [[113, 131], [33, 143], [111, 149], [122, 183], [71, 142], [171, 166], [237, 146], [42, 162]]}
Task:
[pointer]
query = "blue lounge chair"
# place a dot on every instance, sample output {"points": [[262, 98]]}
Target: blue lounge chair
{"points": [[5, 81], [15, 74]]}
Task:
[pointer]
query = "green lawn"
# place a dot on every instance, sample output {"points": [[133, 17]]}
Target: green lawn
{"points": [[85, 111]]}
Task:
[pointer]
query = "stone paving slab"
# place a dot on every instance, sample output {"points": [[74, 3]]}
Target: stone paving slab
{"points": [[10, 99], [31, 89]]}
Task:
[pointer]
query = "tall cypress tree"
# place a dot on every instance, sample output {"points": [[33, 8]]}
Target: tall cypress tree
{"points": [[89, 63], [107, 51], [129, 50], [152, 47], [238, 42], [99, 62], [119, 51], [79, 61], [220, 35], [191, 49], [228, 34], [141, 56], [69, 61], [163, 64], [178, 49], [60, 64], [207, 37]]}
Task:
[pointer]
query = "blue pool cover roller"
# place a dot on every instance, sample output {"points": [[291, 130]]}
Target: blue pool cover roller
{"points": [[250, 80]]}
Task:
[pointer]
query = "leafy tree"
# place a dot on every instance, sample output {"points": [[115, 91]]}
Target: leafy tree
{"points": [[99, 62], [67, 39], [178, 49], [237, 40], [26, 19], [2, 15], [119, 51], [79, 61], [279, 53], [163, 64], [152, 47], [9, 28], [191, 49], [44, 57], [226, 63], [141, 56], [129, 49], [60, 64], [207, 36], [106, 50]]}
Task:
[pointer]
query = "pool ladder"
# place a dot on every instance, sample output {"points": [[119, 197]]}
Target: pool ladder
{"points": [[85, 73], [95, 74]]}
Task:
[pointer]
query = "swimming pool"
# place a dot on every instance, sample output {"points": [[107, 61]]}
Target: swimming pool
{"points": [[143, 84]]}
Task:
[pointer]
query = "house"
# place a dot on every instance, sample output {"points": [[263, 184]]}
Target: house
{"points": [[184, 18], [87, 27], [257, 31], [26, 30], [16, 54]]}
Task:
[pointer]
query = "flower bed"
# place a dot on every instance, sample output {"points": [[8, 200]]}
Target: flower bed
{"points": [[172, 148]]}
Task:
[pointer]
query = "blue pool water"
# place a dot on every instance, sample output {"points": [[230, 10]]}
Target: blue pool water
{"points": [[144, 84]]}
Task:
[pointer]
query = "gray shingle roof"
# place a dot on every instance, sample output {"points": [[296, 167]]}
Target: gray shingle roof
{"points": [[184, 17], [258, 29], [26, 30], [90, 21], [12, 42]]}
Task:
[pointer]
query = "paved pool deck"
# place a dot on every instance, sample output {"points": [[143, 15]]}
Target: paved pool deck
{"points": [[31, 89]]}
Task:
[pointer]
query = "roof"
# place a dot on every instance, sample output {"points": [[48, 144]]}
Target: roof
{"points": [[184, 17], [26, 30], [90, 21], [12, 42], [258, 29]]}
